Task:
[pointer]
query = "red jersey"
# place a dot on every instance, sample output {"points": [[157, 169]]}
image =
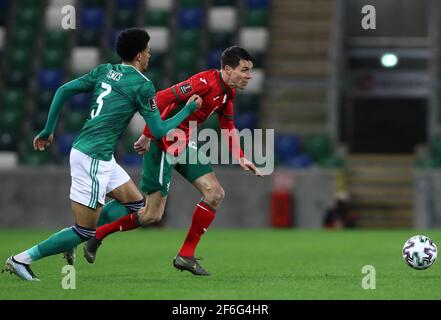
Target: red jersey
{"points": [[217, 97]]}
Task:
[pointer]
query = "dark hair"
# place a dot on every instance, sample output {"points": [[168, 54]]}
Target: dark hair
{"points": [[130, 42], [232, 56]]}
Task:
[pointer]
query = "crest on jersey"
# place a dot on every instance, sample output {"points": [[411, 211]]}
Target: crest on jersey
{"points": [[185, 88], [153, 104]]}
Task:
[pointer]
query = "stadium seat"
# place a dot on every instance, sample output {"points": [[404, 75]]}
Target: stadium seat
{"points": [[191, 18], [4, 4], [61, 3], [245, 102], [84, 59], [222, 19], [94, 3], [3, 16], [132, 160], [255, 85], [13, 99], [191, 3], [74, 120], [30, 4], [156, 76], [11, 119], [89, 38], [246, 120], [64, 143], [92, 18], [157, 18], [19, 58], [56, 39], [159, 4], [186, 59], [188, 38], [50, 79], [161, 38], [39, 120], [124, 18], [24, 37], [17, 78], [224, 2], [298, 162], [53, 58], [257, 4], [80, 102], [29, 17], [254, 38], [256, 18], [221, 40], [127, 4], [8, 141], [318, 147], [331, 162], [111, 38], [157, 60], [287, 146], [44, 99], [213, 58]]}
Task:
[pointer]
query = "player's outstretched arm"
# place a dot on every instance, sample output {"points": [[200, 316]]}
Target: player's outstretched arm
{"points": [[45, 137], [159, 128]]}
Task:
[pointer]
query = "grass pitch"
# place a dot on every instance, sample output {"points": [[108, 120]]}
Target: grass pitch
{"points": [[245, 264]]}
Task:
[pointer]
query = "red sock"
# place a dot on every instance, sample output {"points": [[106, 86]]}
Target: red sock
{"points": [[125, 223], [203, 215]]}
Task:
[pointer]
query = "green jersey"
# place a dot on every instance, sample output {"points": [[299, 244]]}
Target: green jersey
{"points": [[119, 91]]}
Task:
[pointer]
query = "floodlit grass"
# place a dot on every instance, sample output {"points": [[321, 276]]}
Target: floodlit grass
{"points": [[245, 264]]}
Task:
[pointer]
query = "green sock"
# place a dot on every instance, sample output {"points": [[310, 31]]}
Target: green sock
{"points": [[59, 242], [112, 211]]}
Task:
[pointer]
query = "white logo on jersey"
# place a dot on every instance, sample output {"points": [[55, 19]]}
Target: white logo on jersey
{"points": [[215, 98], [203, 80]]}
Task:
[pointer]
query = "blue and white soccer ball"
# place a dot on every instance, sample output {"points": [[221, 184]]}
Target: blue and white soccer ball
{"points": [[420, 252]]}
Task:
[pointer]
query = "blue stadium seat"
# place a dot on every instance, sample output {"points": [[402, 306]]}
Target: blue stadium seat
{"points": [[132, 160], [299, 161], [80, 102], [213, 59], [287, 147], [50, 79], [8, 141], [191, 18], [64, 143], [112, 35], [127, 4], [257, 4], [246, 120], [4, 4], [92, 18]]}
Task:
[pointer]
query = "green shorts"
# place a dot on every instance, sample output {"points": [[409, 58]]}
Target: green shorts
{"points": [[157, 167]]}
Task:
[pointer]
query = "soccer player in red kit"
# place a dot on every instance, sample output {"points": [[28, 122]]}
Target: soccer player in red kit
{"points": [[217, 88]]}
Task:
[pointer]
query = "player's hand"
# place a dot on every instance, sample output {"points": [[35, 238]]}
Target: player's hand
{"points": [[142, 145], [40, 142], [196, 99], [247, 165]]}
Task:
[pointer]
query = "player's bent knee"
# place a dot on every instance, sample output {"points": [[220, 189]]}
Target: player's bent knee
{"points": [[214, 196]]}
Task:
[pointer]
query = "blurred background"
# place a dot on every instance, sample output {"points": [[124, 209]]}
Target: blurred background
{"points": [[356, 112]]}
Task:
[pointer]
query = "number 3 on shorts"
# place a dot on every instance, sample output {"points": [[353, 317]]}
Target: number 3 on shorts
{"points": [[99, 100]]}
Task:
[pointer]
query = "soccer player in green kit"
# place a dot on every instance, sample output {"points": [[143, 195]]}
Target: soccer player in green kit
{"points": [[119, 91]]}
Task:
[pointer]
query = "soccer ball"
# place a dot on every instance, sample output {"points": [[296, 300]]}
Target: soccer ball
{"points": [[419, 252]]}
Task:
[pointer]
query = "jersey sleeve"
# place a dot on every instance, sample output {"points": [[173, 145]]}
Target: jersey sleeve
{"points": [[226, 121], [146, 99], [182, 91]]}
